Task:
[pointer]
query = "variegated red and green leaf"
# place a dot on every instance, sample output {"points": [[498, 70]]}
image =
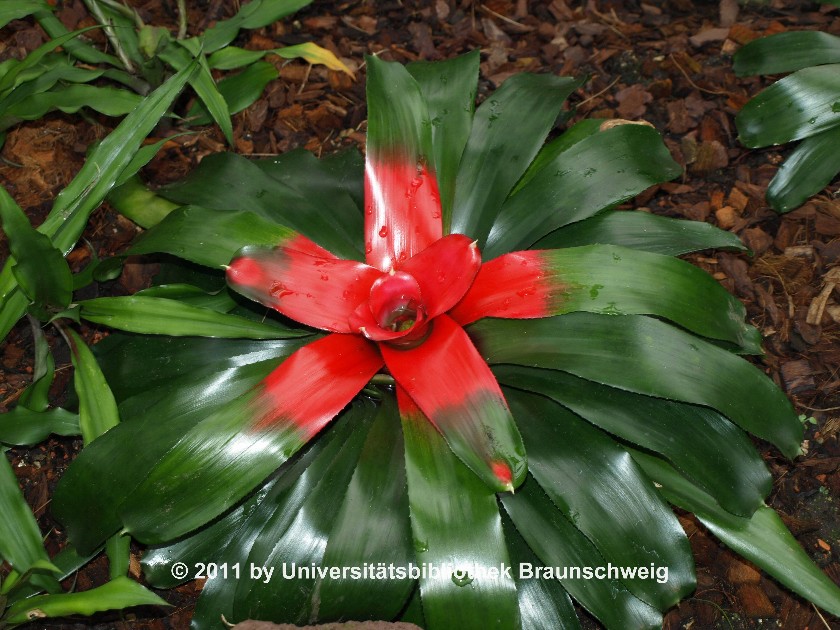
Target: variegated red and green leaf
{"points": [[402, 203], [319, 291], [606, 279], [223, 457], [453, 386]]}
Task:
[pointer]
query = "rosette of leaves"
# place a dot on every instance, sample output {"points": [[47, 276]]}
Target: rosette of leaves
{"points": [[451, 354], [805, 105], [144, 55]]}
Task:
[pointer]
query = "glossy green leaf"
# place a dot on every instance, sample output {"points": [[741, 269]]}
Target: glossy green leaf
{"points": [[762, 539], [297, 533], [119, 593], [561, 546], [449, 88], [70, 99], [36, 395], [97, 407], [617, 508], [786, 52], [502, 144], [20, 538], [643, 231], [40, 269], [77, 47], [600, 170], [704, 445], [802, 104], [543, 604], [118, 550], [83, 195], [255, 14], [457, 529], [133, 200], [226, 181], [238, 91], [179, 383], [806, 171], [24, 427], [162, 316], [372, 524], [231, 57], [17, 9], [221, 301], [646, 356]]}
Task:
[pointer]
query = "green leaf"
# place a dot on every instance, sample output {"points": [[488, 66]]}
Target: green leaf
{"points": [[549, 152], [616, 505], [119, 593], [371, 524], [118, 550], [17, 9], [221, 301], [456, 529], [809, 169], [231, 57], [237, 91], [97, 407], [20, 538], [255, 14], [133, 200], [559, 545], [643, 231], [646, 356], [36, 396], [543, 604], [70, 99], [762, 539], [502, 144], [599, 171], [449, 88], [802, 104], [40, 269], [77, 47], [225, 181], [162, 316], [704, 445], [24, 427], [786, 52]]}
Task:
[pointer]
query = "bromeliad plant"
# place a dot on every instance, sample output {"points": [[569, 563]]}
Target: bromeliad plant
{"points": [[470, 361], [803, 106]]}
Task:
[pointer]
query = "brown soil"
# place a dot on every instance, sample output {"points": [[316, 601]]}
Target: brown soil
{"points": [[667, 62]]}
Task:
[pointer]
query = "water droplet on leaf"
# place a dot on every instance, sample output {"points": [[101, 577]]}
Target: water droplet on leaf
{"points": [[383, 231]]}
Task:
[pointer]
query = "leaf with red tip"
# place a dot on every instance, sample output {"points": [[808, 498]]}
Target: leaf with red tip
{"points": [[452, 385], [314, 290], [223, 457], [402, 203], [444, 270]]}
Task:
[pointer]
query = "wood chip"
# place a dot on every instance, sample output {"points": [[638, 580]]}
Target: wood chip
{"points": [[798, 376], [754, 601]]}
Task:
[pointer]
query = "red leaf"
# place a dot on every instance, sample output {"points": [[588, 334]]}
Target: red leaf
{"points": [[319, 291], [452, 385], [402, 210], [517, 285], [444, 270], [315, 383]]}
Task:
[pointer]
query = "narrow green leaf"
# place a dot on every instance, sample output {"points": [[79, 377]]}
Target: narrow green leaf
{"points": [[17, 9], [499, 129], [704, 445], [221, 301], [118, 550], [616, 505], [459, 529], [20, 538], [117, 594], [133, 200], [646, 356], [70, 99], [762, 539], [599, 171], [802, 104], [643, 231], [786, 52], [449, 88], [255, 14], [24, 427], [36, 396], [237, 91], [40, 269], [806, 171], [76, 47], [232, 57], [372, 524], [566, 552], [97, 407], [162, 316]]}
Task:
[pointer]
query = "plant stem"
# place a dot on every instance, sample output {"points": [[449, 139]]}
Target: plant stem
{"points": [[182, 18], [96, 10]]}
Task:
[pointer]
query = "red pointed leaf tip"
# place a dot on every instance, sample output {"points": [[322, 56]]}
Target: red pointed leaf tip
{"points": [[309, 388], [518, 285], [402, 210], [503, 474]]}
